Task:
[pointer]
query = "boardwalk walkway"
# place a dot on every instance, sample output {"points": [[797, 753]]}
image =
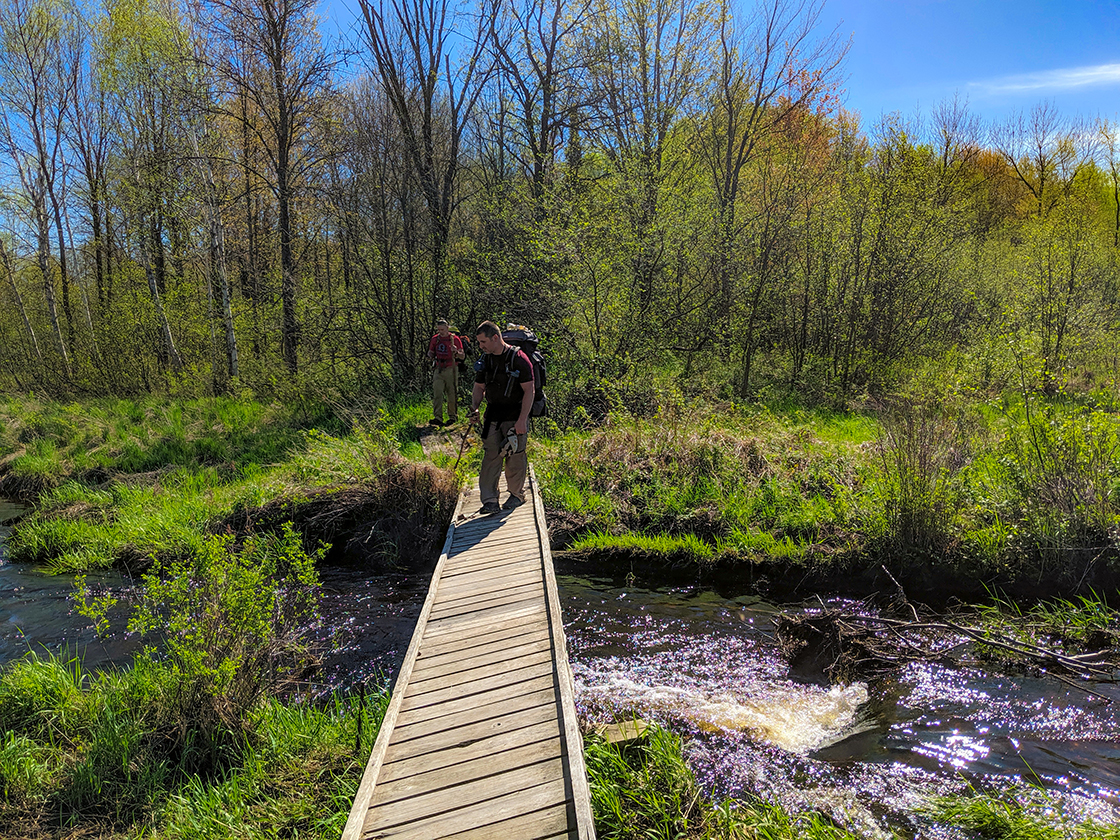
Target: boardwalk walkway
{"points": [[480, 739]]}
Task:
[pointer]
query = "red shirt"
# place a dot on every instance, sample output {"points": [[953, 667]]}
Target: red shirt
{"points": [[445, 349]]}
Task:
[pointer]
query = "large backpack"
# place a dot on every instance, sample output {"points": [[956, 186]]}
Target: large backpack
{"points": [[524, 338]]}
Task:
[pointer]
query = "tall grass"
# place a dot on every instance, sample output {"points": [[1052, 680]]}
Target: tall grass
{"points": [[1025, 814], [91, 750], [646, 790]]}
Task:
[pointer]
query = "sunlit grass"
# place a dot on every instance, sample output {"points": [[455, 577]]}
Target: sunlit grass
{"points": [[93, 749], [647, 790]]}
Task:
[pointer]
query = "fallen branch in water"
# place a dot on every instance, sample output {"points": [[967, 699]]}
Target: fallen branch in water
{"points": [[846, 644]]}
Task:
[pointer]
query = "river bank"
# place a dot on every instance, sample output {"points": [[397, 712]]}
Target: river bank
{"points": [[744, 500]]}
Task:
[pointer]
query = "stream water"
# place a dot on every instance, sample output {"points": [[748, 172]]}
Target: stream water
{"points": [[706, 664]]}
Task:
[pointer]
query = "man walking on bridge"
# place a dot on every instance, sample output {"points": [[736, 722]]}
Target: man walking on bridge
{"points": [[504, 378]]}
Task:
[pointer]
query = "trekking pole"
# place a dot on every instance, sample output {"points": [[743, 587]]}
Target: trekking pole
{"points": [[462, 445]]}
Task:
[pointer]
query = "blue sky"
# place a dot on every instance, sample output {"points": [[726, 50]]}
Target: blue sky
{"points": [[907, 55], [1002, 55]]}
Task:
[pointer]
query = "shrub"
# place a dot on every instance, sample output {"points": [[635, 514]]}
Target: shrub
{"points": [[233, 625]]}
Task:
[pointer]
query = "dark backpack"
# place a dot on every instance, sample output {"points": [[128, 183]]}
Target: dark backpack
{"points": [[468, 352], [524, 338]]}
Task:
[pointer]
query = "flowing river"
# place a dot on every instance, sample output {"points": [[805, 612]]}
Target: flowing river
{"points": [[706, 665]]}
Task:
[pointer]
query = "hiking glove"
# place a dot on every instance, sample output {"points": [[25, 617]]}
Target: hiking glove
{"points": [[509, 447]]}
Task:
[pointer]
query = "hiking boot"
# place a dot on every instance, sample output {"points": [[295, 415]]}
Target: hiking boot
{"points": [[435, 421], [490, 507], [512, 502]]}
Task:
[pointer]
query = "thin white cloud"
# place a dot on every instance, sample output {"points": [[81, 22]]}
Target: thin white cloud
{"points": [[1069, 78]]}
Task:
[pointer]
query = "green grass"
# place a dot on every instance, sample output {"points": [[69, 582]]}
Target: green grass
{"points": [[95, 750], [1026, 814], [1009, 495], [124, 481], [646, 790]]}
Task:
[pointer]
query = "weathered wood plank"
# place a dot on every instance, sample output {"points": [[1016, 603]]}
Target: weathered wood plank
{"points": [[492, 599], [470, 750], [436, 680], [478, 659], [432, 647], [478, 792], [475, 621], [496, 810], [509, 677], [482, 648], [427, 711], [547, 824], [466, 771], [443, 716], [480, 582]]}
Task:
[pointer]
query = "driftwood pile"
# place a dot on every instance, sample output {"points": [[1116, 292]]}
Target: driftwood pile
{"points": [[857, 642]]}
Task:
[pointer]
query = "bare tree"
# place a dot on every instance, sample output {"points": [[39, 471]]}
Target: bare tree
{"points": [[433, 75], [276, 61], [38, 62], [535, 44], [1045, 150]]}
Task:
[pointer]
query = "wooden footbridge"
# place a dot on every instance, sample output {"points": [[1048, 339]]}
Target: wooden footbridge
{"points": [[480, 739]]}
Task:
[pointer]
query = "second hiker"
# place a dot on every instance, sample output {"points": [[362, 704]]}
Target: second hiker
{"points": [[445, 350], [504, 378]]}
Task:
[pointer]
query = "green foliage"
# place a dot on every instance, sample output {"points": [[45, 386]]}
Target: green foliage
{"points": [[922, 447], [1025, 814], [232, 624], [646, 790], [120, 769]]}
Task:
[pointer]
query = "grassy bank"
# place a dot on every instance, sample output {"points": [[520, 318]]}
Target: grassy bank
{"points": [[1017, 496], [955, 498], [647, 790], [121, 482], [108, 754]]}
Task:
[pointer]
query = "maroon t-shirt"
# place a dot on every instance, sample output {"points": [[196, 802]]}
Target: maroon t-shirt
{"points": [[445, 349]]}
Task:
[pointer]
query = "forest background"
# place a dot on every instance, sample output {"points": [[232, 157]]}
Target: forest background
{"points": [[211, 198]]}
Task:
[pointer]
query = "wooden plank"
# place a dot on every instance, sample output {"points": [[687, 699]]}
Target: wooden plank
{"points": [[465, 771], [475, 562], [436, 680], [433, 647], [509, 677], [577, 771], [468, 751], [356, 820], [505, 654], [481, 584], [436, 742], [475, 601], [523, 695], [476, 792], [480, 648], [485, 619], [483, 611], [505, 807], [482, 541], [547, 824], [479, 581]]}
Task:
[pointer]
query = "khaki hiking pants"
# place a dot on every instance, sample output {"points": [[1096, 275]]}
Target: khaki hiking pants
{"points": [[517, 465], [445, 384]]}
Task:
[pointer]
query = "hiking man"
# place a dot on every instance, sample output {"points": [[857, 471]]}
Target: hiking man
{"points": [[445, 350], [504, 378]]}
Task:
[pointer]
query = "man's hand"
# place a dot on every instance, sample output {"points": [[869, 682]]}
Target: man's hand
{"points": [[521, 426], [473, 416]]}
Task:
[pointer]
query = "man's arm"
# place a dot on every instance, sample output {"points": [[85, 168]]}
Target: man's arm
{"points": [[457, 345], [528, 392], [476, 399]]}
